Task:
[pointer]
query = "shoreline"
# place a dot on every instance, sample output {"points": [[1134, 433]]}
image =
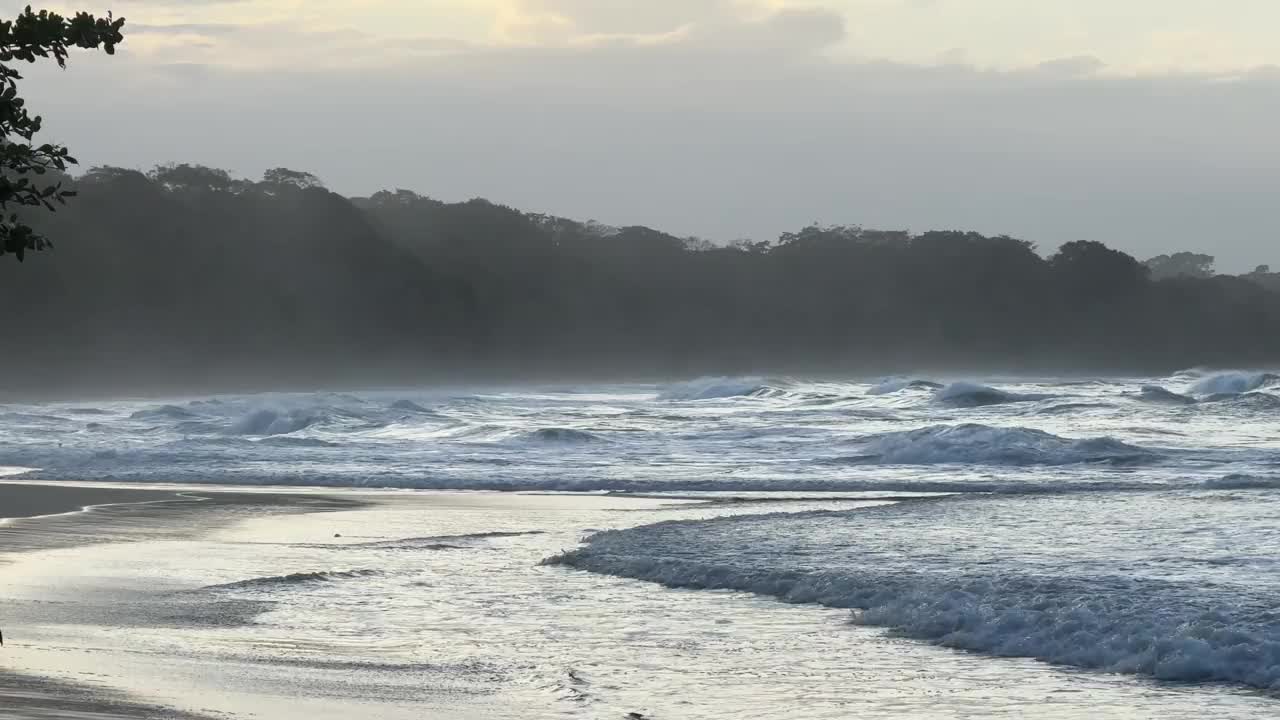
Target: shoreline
{"points": [[23, 501], [47, 673], [40, 516], [428, 604]]}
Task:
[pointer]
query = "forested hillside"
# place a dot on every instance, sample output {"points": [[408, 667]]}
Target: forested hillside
{"points": [[187, 278]]}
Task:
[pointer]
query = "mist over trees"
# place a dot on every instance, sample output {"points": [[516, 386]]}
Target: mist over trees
{"points": [[188, 278]]}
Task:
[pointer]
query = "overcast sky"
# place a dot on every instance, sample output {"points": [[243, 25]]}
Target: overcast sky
{"points": [[1147, 124]]}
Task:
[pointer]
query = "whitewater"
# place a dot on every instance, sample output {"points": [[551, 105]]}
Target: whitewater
{"points": [[1111, 536]]}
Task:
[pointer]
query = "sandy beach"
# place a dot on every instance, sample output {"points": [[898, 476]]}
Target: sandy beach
{"points": [[218, 603], [27, 697]]}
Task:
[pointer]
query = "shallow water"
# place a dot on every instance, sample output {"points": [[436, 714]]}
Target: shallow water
{"points": [[1125, 537]]}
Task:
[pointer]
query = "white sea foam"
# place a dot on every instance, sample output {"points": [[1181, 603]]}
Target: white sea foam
{"points": [[1030, 582], [1109, 589], [727, 434], [1066, 622]]}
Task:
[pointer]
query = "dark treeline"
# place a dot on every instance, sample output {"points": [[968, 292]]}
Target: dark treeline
{"points": [[187, 278]]}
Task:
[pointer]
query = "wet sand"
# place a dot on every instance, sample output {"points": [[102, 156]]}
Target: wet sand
{"points": [[23, 697], [30, 698], [42, 516], [24, 501]]}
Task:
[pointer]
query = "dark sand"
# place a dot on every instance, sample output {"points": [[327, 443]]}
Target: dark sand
{"points": [[21, 501], [30, 698], [53, 520]]}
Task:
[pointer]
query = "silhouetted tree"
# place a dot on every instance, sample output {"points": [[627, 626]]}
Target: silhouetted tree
{"points": [[29, 37]]}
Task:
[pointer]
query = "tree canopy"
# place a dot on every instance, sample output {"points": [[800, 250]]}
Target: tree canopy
{"points": [[30, 37], [190, 276], [1180, 264]]}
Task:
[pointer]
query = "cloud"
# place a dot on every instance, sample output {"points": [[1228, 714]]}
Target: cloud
{"points": [[713, 24], [744, 123], [1072, 66], [629, 17], [185, 29], [701, 27], [278, 46], [787, 29]]}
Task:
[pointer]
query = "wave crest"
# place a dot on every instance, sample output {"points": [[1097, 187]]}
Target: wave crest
{"points": [[1240, 481], [1249, 400], [1135, 624], [1157, 394], [1232, 383], [292, 579], [561, 435], [898, 384], [408, 406], [163, 412], [966, 394], [972, 443], [272, 422], [713, 388]]}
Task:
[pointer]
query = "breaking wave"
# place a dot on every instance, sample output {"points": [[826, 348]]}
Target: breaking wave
{"points": [[985, 445], [164, 412], [965, 394], [1157, 394], [713, 434], [1071, 407], [409, 406], [561, 435], [898, 384], [1239, 481], [712, 388], [1249, 400], [1232, 383], [1071, 621], [1056, 604], [273, 422]]}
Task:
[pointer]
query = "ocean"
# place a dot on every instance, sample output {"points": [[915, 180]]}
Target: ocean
{"points": [[721, 548]]}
